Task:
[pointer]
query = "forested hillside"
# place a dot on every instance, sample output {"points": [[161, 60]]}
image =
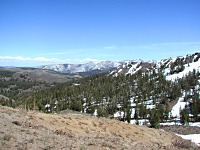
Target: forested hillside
{"points": [[15, 82], [146, 93]]}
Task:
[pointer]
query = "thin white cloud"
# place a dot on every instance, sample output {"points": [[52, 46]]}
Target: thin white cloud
{"points": [[84, 60], [89, 59], [106, 55], [167, 46], [36, 61], [46, 59], [63, 53], [68, 52], [110, 47], [28, 61], [176, 43], [15, 58], [21, 58]]}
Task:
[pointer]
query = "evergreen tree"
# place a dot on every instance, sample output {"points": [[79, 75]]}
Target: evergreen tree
{"points": [[101, 112], [184, 116], [194, 106], [154, 118]]}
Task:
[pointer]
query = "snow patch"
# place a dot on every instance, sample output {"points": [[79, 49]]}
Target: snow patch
{"points": [[192, 137], [179, 105], [188, 68]]}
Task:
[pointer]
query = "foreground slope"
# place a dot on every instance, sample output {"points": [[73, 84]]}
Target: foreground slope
{"points": [[20, 129]]}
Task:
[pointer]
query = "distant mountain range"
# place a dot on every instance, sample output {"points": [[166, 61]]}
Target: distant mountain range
{"points": [[91, 67], [171, 85], [166, 88], [188, 63], [7, 67], [87, 68], [169, 66]]}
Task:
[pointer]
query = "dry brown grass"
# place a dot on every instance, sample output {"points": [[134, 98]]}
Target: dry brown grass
{"points": [[181, 129], [20, 129]]}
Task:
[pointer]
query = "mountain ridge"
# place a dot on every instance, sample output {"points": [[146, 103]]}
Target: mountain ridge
{"points": [[115, 67], [93, 67], [101, 66], [138, 92], [169, 66]]}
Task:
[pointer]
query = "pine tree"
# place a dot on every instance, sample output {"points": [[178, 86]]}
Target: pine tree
{"points": [[194, 106], [101, 112], [184, 116], [154, 118], [136, 110], [166, 112]]}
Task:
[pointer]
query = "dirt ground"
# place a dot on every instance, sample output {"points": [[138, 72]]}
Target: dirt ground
{"points": [[22, 130]]}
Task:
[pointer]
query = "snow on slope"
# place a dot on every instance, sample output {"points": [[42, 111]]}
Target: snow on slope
{"points": [[58, 67], [195, 124], [133, 66], [190, 63], [192, 137], [75, 68], [134, 69], [179, 105], [188, 68]]}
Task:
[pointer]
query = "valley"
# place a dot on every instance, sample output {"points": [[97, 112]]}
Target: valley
{"points": [[99, 75], [154, 94], [14, 82]]}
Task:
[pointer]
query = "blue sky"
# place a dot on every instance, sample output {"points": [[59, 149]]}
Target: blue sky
{"points": [[37, 32]]}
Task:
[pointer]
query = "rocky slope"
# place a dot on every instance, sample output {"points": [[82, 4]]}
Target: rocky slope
{"points": [[21, 130]]}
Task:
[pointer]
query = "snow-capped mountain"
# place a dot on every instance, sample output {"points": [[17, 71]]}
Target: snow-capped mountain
{"points": [[181, 72], [84, 68], [175, 68], [133, 66], [172, 68]]}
